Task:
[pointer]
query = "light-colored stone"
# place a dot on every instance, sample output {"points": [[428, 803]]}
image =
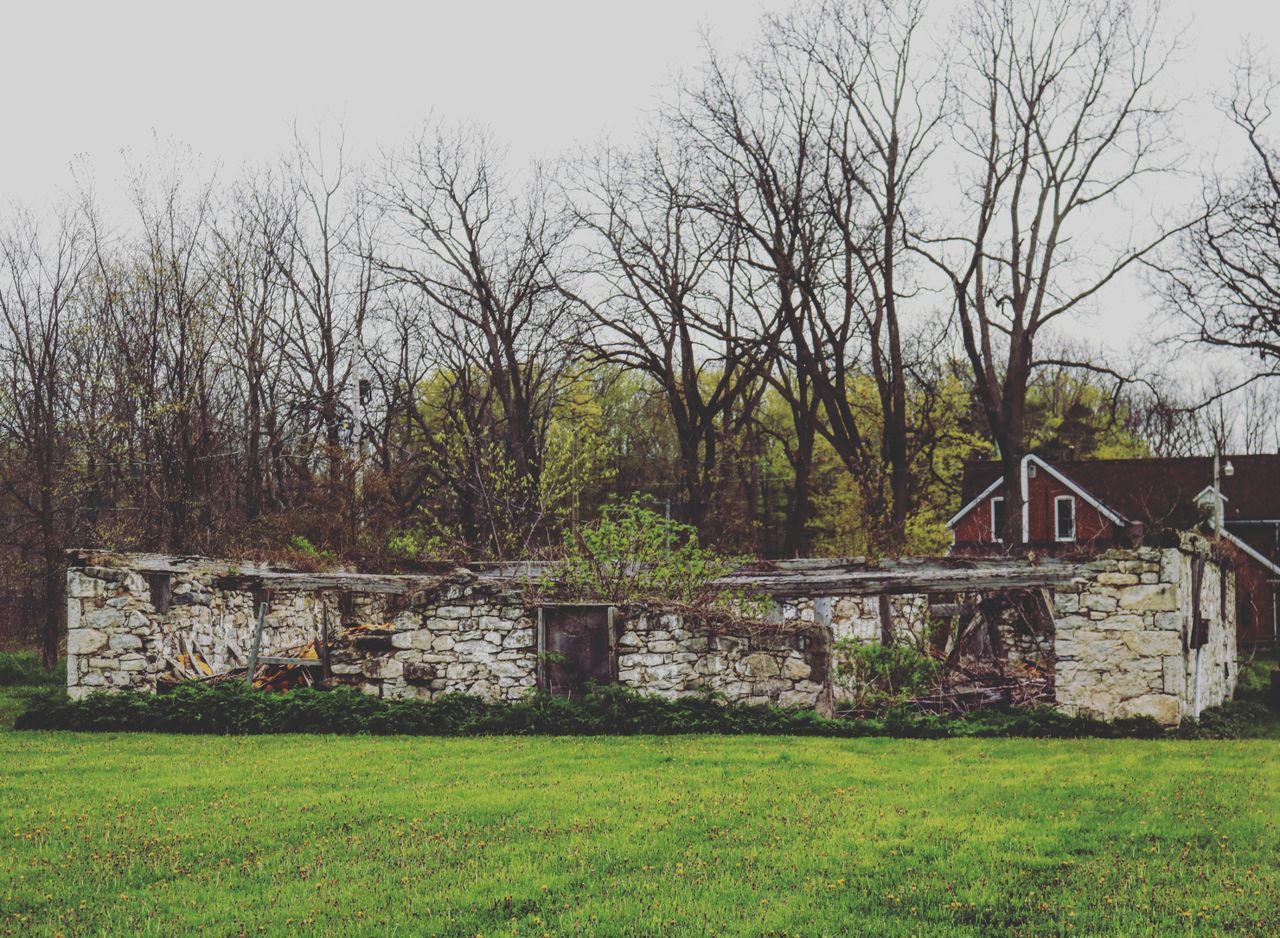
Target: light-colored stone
{"points": [[758, 665], [1154, 643], [796, 669], [84, 641], [1165, 709], [1158, 597]]}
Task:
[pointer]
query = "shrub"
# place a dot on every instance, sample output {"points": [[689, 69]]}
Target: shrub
{"points": [[633, 553], [235, 709], [1239, 719], [874, 672], [1255, 680], [25, 667]]}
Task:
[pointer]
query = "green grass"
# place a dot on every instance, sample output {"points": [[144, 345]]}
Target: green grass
{"points": [[164, 835]]}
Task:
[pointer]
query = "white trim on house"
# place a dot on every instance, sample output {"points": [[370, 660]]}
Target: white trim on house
{"points": [[955, 519], [1252, 552], [996, 534], [1029, 460], [1207, 492], [1058, 501], [1103, 509]]}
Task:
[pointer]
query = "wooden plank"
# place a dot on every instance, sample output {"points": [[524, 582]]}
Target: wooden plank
{"points": [[257, 644], [897, 582]]}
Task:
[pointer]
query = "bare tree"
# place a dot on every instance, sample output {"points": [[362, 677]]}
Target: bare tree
{"points": [[39, 281], [325, 261], [1059, 116], [485, 265], [663, 271], [884, 103], [1224, 281]]}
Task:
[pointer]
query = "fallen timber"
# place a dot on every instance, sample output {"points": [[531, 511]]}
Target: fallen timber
{"points": [[779, 578], [803, 578]]}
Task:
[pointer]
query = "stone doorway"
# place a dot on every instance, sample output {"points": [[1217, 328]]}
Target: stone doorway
{"points": [[576, 648]]}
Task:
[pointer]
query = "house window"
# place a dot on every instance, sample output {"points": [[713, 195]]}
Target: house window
{"points": [[997, 519], [1064, 518]]}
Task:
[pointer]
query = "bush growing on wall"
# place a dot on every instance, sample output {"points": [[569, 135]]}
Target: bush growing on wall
{"points": [[633, 553], [874, 673]]}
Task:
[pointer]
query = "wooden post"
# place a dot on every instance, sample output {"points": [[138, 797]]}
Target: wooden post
{"points": [[542, 651], [257, 644], [886, 621]]}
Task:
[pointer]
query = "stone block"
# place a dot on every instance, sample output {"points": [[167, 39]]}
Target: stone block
{"points": [[80, 586], [518, 638], [1123, 623], [124, 642], [758, 665], [85, 641], [1174, 675], [1154, 643], [796, 669], [1149, 597], [1098, 602], [643, 660], [107, 619], [419, 673], [795, 698], [1165, 709], [1117, 579], [665, 646], [382, 668]]}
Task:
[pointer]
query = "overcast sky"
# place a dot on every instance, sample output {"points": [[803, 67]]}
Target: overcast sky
{"points": [[83, 82]]}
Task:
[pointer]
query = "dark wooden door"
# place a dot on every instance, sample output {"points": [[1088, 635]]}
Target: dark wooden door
{"points": [[577, 648]]}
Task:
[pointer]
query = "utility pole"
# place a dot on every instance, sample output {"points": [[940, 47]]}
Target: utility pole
{"points": [[357, 435]]}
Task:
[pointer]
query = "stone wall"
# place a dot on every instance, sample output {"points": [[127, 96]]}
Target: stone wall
{"points": [[462, 635], [1124, 635], [1120, 644], [663, 654], [857, 618]]}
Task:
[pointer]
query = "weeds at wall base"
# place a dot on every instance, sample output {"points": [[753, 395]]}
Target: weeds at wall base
{"points": [[234, 709]]}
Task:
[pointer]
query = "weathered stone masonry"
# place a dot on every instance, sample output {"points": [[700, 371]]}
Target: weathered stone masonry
{"points": [[1123, 641], [462, 633]]}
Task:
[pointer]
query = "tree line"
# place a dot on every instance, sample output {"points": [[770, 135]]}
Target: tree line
{"points": [[830, 270]]}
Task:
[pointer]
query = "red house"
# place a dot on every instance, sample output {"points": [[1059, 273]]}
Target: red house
{"points": [[1094, 504]]}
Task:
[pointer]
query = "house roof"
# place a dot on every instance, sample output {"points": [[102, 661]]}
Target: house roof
{"points": [[1150, 489]]}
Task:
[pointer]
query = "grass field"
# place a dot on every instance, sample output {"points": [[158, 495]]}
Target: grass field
{"points": [[170, 835]]}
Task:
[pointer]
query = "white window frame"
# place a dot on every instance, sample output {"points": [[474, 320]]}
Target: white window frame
{"points": [[1057, 515], [996, 534]]}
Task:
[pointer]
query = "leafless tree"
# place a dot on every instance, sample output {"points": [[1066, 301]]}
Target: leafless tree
{"points": [[663, 273], [40, 276], [1224, 279], [485, 263], [1058, 117]]}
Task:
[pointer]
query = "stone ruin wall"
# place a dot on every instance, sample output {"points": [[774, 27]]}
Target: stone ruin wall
{"points": [[464, 637], [1120, 645], [1124, 635]]}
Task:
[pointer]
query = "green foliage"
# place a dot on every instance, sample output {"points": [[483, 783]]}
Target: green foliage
{"points": [[419, 545], [25, 667], [875, 673], [633, 553], [642, 835], [302, 545], [1254, 683], [1239, 719], [614, 710]]}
